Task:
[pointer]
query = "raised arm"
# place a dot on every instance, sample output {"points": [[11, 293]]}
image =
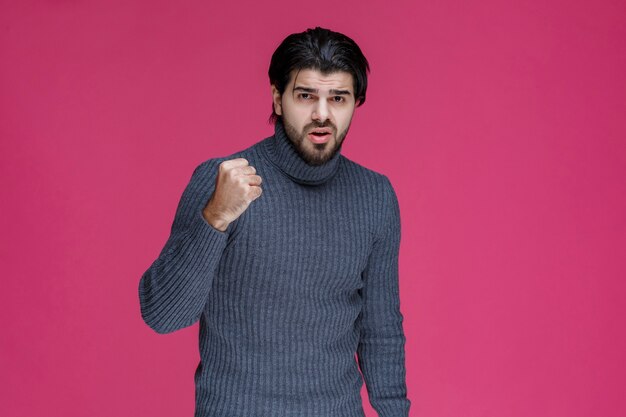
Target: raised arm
{"points": [[173, 291]]}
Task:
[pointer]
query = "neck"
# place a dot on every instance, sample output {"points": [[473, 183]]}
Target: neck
{"points": [[281, 152]]}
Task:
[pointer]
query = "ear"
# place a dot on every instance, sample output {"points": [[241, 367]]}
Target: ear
{"points": [[277, 100]]}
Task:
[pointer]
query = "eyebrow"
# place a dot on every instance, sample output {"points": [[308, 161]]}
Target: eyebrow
{"points": [[315, 90]]}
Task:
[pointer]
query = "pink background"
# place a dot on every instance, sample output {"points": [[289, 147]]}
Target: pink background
{"points": [[500, 124]]}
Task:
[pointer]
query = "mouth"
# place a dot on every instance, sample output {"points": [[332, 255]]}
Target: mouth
{"points": [[320, 135]]}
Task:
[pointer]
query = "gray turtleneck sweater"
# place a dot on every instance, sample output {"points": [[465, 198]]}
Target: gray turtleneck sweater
{"points": [[305, 278]]}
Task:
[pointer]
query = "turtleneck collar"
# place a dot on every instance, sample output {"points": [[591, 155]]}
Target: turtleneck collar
{"points": [[281, 153]]}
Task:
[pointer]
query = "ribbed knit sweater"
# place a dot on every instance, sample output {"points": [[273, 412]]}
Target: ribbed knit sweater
{"points": [[305, 278]]}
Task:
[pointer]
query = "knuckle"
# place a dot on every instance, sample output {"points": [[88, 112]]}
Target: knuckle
{"points": [[233, 173]]}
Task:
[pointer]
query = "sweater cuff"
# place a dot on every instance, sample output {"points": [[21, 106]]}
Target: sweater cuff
{"points": [[210, 242]]}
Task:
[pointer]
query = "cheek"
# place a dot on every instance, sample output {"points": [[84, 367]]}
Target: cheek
{"points": [[297, 116], [345, 117]]}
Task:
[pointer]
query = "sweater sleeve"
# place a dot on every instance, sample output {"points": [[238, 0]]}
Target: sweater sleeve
{"points": [[174, 289], [380, 351]]}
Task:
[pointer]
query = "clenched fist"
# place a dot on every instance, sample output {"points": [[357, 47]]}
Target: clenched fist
{"points": [[236, 186]]}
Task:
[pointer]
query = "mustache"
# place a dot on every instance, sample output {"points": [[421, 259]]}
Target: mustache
{"points": [[316, 125]]}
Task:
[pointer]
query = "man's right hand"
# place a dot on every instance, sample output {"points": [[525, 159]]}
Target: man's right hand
{"points": [[236, 186]]}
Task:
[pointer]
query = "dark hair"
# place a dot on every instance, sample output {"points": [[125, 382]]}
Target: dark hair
{"points": [[319, 49]]}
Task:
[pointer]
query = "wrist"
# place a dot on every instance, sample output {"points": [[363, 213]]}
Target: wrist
{"points": [[215, 221]]}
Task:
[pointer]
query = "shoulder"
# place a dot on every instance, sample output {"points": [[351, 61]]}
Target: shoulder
{"points": [[382, 197], [377, 182]]}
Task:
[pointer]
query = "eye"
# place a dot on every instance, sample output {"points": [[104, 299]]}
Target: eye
{"points": [[304, 96], [338, 99]]}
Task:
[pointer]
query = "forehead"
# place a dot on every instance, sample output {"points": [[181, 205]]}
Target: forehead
{"points": [[315, 79]]}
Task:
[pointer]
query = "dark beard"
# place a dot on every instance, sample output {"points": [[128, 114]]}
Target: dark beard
{"points": [[297, 139]]}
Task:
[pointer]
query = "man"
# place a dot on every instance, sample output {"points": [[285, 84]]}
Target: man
{"points": [[287, 254]]}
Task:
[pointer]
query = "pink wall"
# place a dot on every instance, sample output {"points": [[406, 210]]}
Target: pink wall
{"points": [[501, 125]]}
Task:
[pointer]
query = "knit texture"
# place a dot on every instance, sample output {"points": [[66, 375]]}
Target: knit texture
{"points": [[305, 278]]}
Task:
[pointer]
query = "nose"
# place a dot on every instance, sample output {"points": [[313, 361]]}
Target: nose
{"points": [[320, 113]]}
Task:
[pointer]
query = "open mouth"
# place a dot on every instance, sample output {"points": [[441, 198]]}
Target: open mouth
{"points": [[319, 136]]}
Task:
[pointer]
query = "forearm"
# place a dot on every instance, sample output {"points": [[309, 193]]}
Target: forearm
{"points": [[173, 291], [381, 357]]}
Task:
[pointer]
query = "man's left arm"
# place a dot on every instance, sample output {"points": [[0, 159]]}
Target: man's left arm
{"points": [[380, 350]]}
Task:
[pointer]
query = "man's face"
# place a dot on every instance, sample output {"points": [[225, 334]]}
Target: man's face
{"points": [[316, 110]]}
